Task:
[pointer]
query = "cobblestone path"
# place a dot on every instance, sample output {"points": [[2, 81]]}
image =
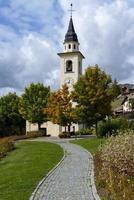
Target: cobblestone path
{"points": [[71, 180]]}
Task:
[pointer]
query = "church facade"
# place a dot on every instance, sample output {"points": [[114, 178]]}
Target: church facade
{"points": [[70, 70]]}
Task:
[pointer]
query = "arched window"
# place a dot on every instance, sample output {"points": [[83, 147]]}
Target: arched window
{"points": [[69, 66], [69, 46], [74, 46]]}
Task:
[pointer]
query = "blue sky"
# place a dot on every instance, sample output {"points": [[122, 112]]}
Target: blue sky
{"points": [[32, 32]]}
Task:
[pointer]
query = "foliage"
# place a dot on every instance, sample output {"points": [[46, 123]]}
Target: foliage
{"points": [[93, 95], [114, 167], [11, 122], [59, 109], [33, 102], [86, 132], [132, 103], [117, 102], [64, 135], [39, 133], [24, 167], [112, 126], [6, 145], [115, 89]]}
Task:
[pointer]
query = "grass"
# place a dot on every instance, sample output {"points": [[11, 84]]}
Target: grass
{"points": [[24, 167], [90, 144]]}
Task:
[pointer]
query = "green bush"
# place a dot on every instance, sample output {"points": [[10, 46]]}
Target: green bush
{"points": [[111, 127], [85, 132]]}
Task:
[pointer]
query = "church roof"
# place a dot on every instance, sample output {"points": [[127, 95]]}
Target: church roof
{"points": [[71, 36]]}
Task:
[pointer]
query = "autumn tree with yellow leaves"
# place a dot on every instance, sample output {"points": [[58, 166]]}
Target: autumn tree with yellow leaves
{"points": [[60, 108]]}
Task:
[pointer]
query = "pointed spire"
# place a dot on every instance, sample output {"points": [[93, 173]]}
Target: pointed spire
{"points": [[71, 36]]}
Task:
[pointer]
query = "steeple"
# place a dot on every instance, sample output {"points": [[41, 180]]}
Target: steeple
{"points": [[71, 36]]}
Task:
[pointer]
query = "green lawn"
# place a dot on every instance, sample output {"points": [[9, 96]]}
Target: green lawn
{"points": [[24, 167], [91, 144]]}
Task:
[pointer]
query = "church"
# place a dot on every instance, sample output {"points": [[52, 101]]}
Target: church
{"points": [[70, 70]]}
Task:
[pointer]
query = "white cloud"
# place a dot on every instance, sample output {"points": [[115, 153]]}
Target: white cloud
{"points": [[31, 59], [32, 34], [105, 30]]}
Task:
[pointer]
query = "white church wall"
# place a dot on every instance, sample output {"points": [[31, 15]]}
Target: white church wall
{"points": [[52, 129], [31, 127]]}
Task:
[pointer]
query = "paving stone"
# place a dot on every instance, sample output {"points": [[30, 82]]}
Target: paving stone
{"points": [[71, 180]]}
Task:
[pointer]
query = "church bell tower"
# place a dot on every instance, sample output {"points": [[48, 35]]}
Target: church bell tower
{"points": [[71, 58]]}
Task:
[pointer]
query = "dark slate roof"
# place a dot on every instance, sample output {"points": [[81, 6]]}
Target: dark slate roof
{"points": [[71, 36]]}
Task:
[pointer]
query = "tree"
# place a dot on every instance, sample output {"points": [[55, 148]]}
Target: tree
{"points": [[115, 89], [11, 122], [33, 102], [60, 110], [93, 95]]}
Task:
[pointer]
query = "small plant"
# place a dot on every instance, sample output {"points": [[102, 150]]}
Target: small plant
{"points": [[85, 132]]}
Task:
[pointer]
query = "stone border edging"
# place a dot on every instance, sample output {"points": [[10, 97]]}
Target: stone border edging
{"points": [[49, 174], [94, 190]]}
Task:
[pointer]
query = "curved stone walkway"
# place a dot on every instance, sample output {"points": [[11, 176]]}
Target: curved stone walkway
{"points": [[71, 180]]}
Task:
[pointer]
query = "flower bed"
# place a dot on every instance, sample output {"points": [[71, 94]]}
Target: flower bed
{"points": [[115, 167]]}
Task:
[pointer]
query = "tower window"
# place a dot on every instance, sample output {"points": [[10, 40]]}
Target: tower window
{"points": [[74, 46], [69, 46], [69, 66]]}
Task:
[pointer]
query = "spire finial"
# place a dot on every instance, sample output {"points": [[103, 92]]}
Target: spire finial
{"points": [[71, 10]]}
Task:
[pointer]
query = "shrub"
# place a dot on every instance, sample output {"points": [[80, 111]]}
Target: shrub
{"points": [[35, 134], [118, 153], [85, 132], [6, 145], [115, 166], [64, 135], [111, 127]]}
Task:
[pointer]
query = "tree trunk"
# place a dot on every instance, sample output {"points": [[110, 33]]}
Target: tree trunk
{"points": [[96, 128], [39, 125], [69, 128]]}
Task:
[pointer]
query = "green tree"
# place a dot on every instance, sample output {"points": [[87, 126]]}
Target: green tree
{"points": [[11, 121], [93, 96], [60, 110], [115, 89], [33, 102]]}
